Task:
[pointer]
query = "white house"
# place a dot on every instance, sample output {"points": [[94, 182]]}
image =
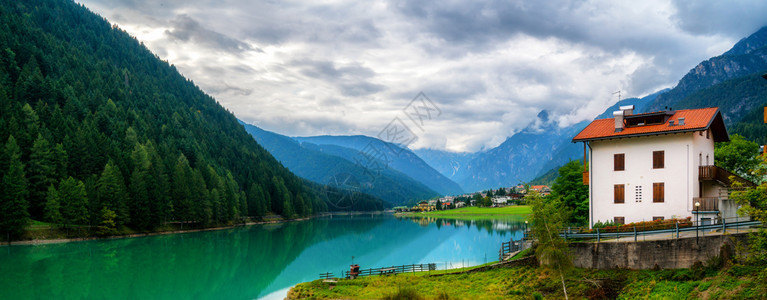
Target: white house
{"points": [[657, 165], [500, 200]]}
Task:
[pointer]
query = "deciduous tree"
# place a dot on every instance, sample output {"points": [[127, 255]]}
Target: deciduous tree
{"points": [[548, 218], [571, 191]]}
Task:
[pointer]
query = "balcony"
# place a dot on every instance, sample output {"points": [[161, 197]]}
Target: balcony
{"points": [[707, 204], [722, 176]]}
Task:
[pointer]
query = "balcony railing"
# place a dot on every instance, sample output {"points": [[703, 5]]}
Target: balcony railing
{"points": [[707, 172], [721, 175], [706, 204]]}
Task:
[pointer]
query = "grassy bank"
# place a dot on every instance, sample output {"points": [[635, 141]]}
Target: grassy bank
{"points": [[512, 210], [736, 282], [476, 213]]}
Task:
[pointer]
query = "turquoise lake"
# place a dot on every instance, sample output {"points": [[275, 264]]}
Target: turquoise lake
{"points": [[260, 261]]}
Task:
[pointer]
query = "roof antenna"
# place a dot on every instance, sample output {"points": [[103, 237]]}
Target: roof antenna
{"points": [[619, 95]]}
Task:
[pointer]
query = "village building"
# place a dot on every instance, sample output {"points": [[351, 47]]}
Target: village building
{"points": [[500, 200], [656, 165], [425, 206], [544, 190]]}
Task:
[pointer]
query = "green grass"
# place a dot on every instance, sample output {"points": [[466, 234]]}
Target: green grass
{"points": [[513, 210], [529, 282]]}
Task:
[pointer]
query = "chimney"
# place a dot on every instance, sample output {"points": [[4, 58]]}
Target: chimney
{"points": [[627, 110], [618, 114], [681, 121]]}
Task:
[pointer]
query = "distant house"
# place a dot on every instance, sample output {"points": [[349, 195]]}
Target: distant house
{"points": [[516, 196], [447, 200], [425, 206], [656, 166], [544, 190], [500, 200], [401, 208]]}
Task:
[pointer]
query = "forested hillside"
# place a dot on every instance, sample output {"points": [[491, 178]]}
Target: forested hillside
{"points": [[327, 163], [97, 130]]}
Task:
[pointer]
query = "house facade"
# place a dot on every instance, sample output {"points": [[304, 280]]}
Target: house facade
{"points": [[651, 166]]}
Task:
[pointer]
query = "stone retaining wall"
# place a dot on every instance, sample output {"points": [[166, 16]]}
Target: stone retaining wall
{"points": [[664, 254]]}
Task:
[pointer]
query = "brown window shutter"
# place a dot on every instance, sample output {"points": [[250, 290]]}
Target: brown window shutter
{"points": [[658, 160], [658, 192], [619, 162], [619, 193]]}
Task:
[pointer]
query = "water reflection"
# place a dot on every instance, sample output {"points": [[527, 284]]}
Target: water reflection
{"points": [[246, 262]]}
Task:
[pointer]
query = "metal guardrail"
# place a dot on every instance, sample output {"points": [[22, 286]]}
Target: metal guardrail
{"points": [[676, 230]]}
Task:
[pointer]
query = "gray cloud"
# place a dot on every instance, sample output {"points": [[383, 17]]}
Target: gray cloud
{"points": [[350, 79], [184, 28], [738, 18], [349, 67]]}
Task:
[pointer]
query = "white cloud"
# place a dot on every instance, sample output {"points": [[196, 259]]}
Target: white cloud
{"points": [[347, 67]]}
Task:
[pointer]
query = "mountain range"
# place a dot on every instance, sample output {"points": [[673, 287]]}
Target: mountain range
{"points": [[339, 161], [731, 81]]}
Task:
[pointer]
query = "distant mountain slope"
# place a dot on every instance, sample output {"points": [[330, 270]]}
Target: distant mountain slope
{"points": [[748, 56], [517, 159], [732, 82], [402, 160], [448, 163], [324, 164], [531, 153]]}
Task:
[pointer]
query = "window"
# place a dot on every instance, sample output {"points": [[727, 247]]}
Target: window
{"points": [[619, 193], [658, 192], [619, 162], [708, 133], [638, 193], [657, 160], [657, 218], [619, 220]]}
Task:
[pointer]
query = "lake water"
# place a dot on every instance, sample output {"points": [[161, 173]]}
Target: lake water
{"points": [[261, 261]]}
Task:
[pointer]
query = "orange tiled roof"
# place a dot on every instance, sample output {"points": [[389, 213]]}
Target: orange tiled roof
{"points": [[695, 119]]}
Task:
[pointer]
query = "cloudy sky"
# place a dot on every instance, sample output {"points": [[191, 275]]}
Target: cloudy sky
{"points": [[351, 67]]}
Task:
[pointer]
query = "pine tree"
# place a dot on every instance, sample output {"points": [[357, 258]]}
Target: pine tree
{"points": [[52, 211], [112, 194], [158, 187], [139, 194], [13, 201], [74, 201], [41, 175], [182, 205]]}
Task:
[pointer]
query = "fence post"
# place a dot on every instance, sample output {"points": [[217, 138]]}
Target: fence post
{"points": [[724, 226], [635, 233], [677, 229], [597, 235]]}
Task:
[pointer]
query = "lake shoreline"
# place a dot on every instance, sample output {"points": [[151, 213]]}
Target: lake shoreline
{"points": [[135, 235]]}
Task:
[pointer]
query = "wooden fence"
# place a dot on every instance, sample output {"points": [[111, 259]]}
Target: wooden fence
{"points": [[509, 247], [394, 270], [386, 270]]}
